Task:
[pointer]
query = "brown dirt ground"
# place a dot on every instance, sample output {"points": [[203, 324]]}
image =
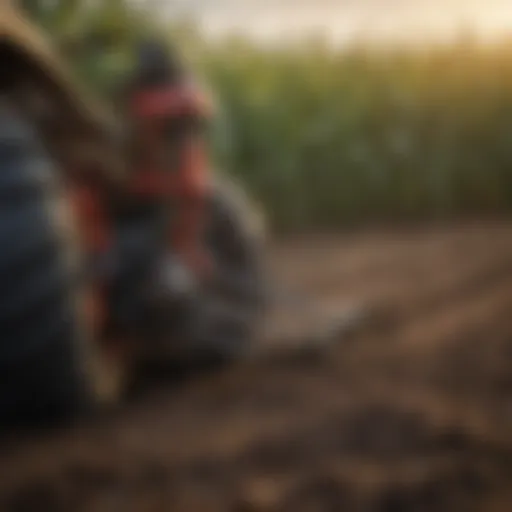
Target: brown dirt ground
{"points": [[412, 413]]}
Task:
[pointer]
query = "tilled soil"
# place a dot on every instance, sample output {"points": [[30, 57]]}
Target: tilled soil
{"points": [[411, 413]]}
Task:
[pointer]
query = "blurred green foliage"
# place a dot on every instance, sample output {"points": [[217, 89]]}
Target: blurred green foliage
{"points": [[326, 138]]}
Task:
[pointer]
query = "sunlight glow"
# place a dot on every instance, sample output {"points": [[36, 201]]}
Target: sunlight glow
{"points": [[343, 20]]}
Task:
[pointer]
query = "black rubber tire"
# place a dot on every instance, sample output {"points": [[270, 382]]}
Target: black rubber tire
{"points": [[41, 374], [235, 238]]}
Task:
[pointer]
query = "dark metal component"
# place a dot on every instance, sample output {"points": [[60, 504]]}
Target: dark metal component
{"points": [[157, 64]]}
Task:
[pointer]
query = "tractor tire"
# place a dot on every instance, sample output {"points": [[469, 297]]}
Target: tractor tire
{"points": [[235, 239], [42, 377]]}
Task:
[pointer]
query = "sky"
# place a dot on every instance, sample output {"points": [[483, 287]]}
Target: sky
{"points": [[343, 20]]}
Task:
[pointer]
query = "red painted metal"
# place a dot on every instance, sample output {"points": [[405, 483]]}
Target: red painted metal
{"points": [[186, 185]]}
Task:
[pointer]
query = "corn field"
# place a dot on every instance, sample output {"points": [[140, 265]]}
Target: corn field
{"points": [[327, 138]]}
